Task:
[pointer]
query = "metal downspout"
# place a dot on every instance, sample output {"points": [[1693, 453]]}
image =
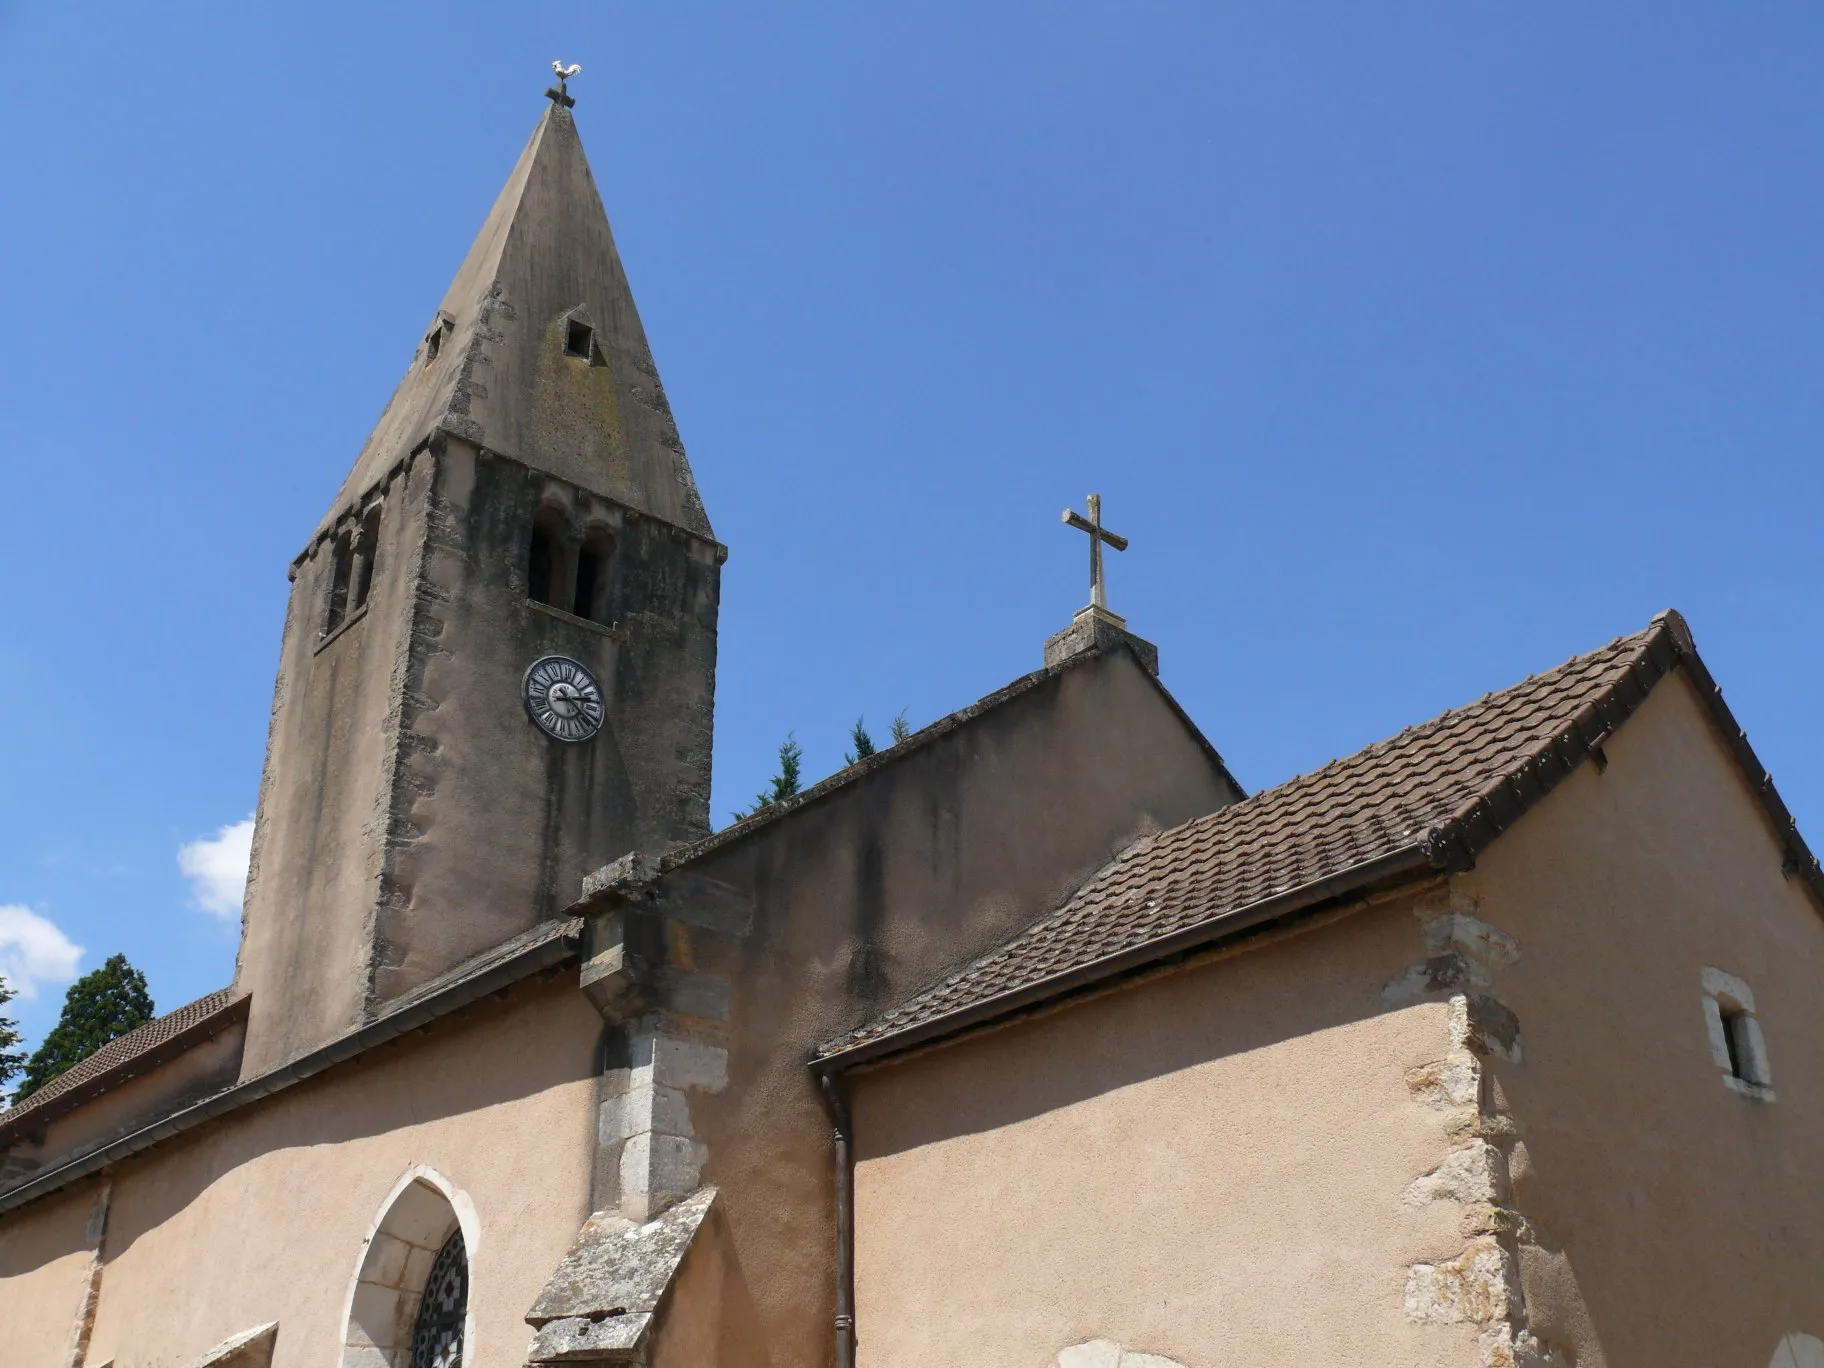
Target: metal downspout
{"points": [[838, 1107]]}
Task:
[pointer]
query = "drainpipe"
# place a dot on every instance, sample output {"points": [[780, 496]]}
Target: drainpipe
{"points": [[838, 1107]]}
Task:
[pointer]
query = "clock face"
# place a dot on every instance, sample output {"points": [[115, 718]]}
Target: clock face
{"points": [[563, 698]]}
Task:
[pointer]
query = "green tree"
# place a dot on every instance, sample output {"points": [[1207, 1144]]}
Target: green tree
{"points": [[12, 1059], [901, 728], [860, 740], [785, 783], [99, 1007]]}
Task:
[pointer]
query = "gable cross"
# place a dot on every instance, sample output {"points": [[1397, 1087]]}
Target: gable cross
{"points": [[1098, 586], [561, 94]]}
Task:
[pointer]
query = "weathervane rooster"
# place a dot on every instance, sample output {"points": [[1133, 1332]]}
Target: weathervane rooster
{"points": [[561, 93]]}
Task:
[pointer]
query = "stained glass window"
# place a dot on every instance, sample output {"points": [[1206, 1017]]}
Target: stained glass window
{"points": [[437, 1337]]}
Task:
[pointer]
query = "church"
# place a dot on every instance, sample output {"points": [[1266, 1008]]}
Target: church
{"points": [[1033, 1041]]}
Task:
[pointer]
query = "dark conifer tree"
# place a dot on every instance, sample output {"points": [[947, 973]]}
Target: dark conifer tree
{"points": [[786, 782], [99, 1007], [12, 1059], [860, 740]]}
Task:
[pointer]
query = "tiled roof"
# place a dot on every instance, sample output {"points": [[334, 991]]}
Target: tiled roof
{"points": [[1435, 794], [126, 1055]]}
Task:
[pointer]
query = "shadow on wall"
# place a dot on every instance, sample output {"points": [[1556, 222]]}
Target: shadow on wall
{"points": [[1161, 1027], [544, 1037]]}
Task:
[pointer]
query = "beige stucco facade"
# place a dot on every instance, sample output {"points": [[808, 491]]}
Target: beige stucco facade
{"points": [[1208, 1167], [536, 1111], [1680, 1222], [263, 1215], [1253, 1160], [1450, 1067]]}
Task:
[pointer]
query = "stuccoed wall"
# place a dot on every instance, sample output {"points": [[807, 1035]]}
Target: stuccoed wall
{"points": [[261, 1216], [1482, 1126], [44, 1275], [1678, 1222], [814, 922], [1210, 1166]]}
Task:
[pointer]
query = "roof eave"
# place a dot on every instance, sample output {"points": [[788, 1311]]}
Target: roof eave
{"points": [[1384, 870], [561, 943]]}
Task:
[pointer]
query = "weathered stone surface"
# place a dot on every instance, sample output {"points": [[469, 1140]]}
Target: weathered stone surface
{"points": [[1485, 1025], [249, 1349], [1107, 1354], [1480, 1285], [1798, 1350], [1439, 974], [1454, 1081], [1459, 932], [1475, 1173], [1503, 1346], [617, 1270], [583, 1339], [1097, 629], [632, 872], [1091, 1354]]}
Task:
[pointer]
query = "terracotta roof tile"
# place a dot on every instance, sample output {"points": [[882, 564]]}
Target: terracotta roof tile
{"points": [[120, 1054], [1444, 788]]}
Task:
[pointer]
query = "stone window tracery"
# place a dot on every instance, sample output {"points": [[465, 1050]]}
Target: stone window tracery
{"points": [[437, 1336]]}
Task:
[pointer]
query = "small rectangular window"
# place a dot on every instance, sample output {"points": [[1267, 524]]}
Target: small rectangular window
{"points": [[366, 546], [1736, 1042], [579, 340], [342, 564]]}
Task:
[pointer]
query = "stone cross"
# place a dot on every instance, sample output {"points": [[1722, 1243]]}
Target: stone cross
{"points": [[561, 94], [1098, 586]]}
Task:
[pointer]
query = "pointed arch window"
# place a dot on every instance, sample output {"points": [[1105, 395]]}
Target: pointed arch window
{"points": [[443, 1308], [409, 1305]]}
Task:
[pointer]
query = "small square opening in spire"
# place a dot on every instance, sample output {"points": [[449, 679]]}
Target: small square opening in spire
{"points": [[579, 340], [433, 340]]}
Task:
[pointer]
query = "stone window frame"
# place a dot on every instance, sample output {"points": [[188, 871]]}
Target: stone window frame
{"points": [[1729, 1012], [579, 549], [380, 1310], [354, 553]]}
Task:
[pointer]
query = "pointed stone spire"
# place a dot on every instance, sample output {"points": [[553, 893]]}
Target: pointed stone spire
{"points": [[537, 352]]}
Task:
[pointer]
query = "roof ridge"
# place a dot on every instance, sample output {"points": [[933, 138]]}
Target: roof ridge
{"points": [[1430, 798]]}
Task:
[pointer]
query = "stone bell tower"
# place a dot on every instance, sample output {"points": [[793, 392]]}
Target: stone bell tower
{"points": [[498, 669]]}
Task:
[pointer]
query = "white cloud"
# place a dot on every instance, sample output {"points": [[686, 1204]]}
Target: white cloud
{"points": [[34, 951], [217, 868]]}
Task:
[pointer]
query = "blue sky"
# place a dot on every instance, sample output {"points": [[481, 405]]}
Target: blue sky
{"points": [[1416, 346]]}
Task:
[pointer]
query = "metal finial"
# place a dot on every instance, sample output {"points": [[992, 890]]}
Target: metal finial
{"points": [[561, 94]]}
